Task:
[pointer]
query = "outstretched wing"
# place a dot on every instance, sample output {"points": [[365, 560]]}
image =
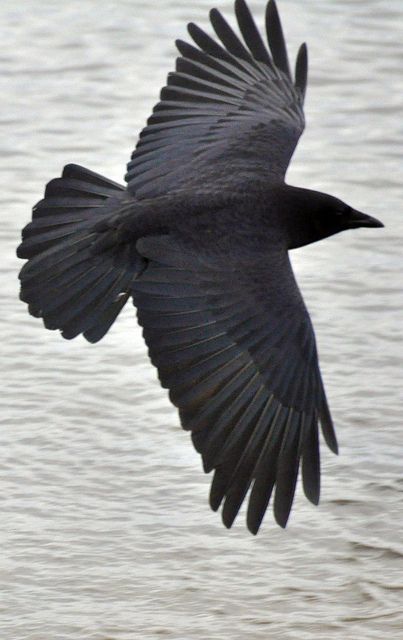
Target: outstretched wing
{"points": [[234, 344], [230, 113]]}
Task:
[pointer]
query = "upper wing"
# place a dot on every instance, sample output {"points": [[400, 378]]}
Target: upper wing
{"points": [[234, 344], [230, 112]]}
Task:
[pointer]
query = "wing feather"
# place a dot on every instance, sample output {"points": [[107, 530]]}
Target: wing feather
{"points": [[276, 39], [250, 33], [301, 69], [228, 37]]}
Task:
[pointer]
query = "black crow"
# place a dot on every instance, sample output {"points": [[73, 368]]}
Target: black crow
{"points": [[199, 239]]}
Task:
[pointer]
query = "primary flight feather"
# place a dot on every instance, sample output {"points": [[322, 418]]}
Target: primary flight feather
{"points": [[199, 239]]}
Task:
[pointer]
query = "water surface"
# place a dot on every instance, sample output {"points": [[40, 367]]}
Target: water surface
{"points": [[105, 529]]}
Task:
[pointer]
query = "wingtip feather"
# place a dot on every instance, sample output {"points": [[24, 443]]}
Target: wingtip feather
{"points": [[301, 69], [276, 38]]}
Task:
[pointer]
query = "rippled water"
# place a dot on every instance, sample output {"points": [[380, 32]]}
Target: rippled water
{"points": [[105, 529]]}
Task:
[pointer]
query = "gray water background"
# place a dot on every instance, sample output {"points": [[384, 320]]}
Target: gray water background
{"points": [[105, 532]]}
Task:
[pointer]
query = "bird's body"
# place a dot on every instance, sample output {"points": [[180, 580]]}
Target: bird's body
{"points": [[199, 239]]}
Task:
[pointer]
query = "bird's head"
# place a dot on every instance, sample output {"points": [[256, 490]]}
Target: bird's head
{"points": [[318, 215]]}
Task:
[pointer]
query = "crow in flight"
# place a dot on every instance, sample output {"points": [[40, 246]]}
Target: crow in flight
{"points": [[199, 239]]}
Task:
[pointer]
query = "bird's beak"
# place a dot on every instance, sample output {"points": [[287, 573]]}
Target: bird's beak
{"points": [[358, 219]]}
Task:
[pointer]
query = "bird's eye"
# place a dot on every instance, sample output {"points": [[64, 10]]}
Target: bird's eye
{"points": [[344, 212]]}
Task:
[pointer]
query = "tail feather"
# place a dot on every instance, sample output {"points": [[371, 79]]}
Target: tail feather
{"points": [[64, 282]]}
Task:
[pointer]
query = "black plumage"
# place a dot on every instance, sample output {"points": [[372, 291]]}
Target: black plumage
{"points": [[199, 239]]}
